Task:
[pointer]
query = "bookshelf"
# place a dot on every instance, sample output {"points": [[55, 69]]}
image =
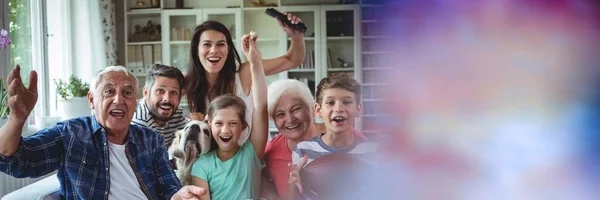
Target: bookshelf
{"points": [[377, 58]]}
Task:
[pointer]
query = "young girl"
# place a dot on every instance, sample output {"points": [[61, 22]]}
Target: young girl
{"points": [[232, 169]]}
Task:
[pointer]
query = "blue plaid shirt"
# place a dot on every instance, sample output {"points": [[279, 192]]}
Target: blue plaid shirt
{"points": [[78, 149]]}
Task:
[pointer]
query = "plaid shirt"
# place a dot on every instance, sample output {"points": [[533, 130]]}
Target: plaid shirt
{"points": [[78, 149]]}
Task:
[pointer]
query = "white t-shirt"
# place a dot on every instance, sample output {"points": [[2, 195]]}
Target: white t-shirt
{"points": [[123, 183], [239, 90]]}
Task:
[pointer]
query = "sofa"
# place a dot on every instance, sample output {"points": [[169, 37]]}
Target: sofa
{"points": [[45, 189]]}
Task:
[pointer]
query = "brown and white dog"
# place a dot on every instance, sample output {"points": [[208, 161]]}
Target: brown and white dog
{"points": [[189, 143]]}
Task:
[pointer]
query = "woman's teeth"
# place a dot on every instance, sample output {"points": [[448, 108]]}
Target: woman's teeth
{"points": [[213, 59], [293, 126]]}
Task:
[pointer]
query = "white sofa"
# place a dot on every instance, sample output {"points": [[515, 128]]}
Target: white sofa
{"points": [[45, 189]]}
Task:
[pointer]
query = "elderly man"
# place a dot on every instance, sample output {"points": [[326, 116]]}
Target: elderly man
{"points": [[98, 157]]}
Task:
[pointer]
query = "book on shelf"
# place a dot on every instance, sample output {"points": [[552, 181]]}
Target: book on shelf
{"points": [[157, 54], [181, 34], [130, 58], [309, 60], [174, 34], [139, 59], [309, 64], [329, 58], [308, 82], [303, 65], [148, 58], [312, 64]]}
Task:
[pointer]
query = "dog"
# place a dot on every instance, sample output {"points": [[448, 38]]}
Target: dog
{"points": [[189, 144]]}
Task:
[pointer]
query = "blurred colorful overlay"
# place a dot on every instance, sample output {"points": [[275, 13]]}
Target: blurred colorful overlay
{"points": [[490, 99]]}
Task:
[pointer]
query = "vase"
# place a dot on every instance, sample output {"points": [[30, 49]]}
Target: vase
{"points": [[74, 107]]}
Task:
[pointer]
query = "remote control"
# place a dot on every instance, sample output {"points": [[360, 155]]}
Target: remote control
{"points": [[283, 18]]}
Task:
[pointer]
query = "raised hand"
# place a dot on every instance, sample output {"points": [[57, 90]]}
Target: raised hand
{"points": [[189, 192], [295, 173], [196, 116], [249, 48], [289, 30], [21, 100]]}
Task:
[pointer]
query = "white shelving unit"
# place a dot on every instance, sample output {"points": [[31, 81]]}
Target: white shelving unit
{"points": [[376, 60], [308, 72], [334, 31]]}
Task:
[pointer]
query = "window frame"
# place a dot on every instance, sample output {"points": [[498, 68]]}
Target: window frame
{"points": [[37, 12], [39, 57]]}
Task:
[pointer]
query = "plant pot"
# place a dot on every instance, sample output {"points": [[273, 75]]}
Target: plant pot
{"points": [[45, 122], [74, 107]]}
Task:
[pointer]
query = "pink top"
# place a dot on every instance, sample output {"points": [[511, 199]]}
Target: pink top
{"points": [[277, 157]]}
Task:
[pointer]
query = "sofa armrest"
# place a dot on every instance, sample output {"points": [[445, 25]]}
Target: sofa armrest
{"points": [[45, 189]]}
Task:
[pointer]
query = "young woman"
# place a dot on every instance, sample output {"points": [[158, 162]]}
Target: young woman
{"points": [[215, 67]]}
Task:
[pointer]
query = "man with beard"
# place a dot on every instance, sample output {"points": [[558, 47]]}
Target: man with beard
{"points": [[159, 109]]}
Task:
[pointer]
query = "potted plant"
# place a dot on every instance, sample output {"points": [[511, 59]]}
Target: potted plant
{"points": [[73, 101], [5, 42], [4, 111]]}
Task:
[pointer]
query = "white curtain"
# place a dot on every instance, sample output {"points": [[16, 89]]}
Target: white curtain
{"points": [[107, 12], [79, 41], [87, 39]]}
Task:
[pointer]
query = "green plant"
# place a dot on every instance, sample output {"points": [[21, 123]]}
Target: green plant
{"points": [[74, 88], [4, 111]]}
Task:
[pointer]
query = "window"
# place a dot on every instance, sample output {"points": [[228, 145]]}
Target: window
{"points": [[24, 21], [59, 40], [20, 33]]}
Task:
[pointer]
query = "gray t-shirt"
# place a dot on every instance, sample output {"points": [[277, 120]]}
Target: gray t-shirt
{"points": [[316, 148]]}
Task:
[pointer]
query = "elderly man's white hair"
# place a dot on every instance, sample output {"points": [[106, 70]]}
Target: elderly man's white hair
{"points": [[288, 86], [99, 76]]}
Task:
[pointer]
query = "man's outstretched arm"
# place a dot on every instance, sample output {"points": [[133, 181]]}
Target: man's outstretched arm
{"points": [[33, 156], [21, 101]]}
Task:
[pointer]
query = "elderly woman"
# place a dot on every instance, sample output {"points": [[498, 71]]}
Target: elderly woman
{"points": [[291, 106]]}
